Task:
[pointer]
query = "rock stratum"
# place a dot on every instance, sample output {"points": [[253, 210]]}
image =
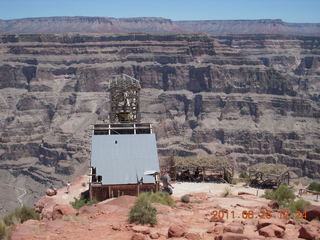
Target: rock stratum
{"points": [[81, 24], [253, 98]]}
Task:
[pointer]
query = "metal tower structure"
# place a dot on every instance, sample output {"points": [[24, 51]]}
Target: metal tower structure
{"points": [[124, 99]]}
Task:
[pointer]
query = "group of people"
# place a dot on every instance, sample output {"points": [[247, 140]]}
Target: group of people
{"points": [[186, 175]]}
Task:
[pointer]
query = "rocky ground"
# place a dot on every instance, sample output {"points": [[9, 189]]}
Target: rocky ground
{"points": [[193, 221]]}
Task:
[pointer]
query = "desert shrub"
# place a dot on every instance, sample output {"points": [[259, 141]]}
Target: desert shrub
{"points": [[314, 186], [160, 197], [20, 215], [185, 199], [143, 212], [244, 175], [80, 202], [283, 195], [226, 192], [298, 205], [4, 231], [235, 181]]}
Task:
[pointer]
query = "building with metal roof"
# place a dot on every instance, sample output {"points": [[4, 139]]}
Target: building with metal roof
{"points": [[124, 157]]}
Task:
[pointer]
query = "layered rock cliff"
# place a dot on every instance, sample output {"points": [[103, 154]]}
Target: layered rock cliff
{"points": [[252, 98], [83, 24]]}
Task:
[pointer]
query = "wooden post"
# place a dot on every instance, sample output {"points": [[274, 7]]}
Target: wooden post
{"points": [[109, 191], [203, 173], [138, 189], [90, 191]]}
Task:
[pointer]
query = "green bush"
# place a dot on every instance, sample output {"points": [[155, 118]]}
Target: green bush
{"points": [[160, 197], [20, 215], [78, 203], [244, 175], [235, 181], [226, 192], [143, 212], [185, 199], [282, 195], [298, 205], [314, 186], [4, 231]]}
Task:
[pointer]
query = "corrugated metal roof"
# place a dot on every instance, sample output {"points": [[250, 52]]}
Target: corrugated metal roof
{"points": [[123, 159]]}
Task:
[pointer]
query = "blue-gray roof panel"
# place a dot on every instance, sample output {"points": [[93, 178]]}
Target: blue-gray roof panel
{"points": [[123, 159]]}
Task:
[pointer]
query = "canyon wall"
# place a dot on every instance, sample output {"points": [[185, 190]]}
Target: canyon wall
{"points": [[82, 24], [252, 98]]}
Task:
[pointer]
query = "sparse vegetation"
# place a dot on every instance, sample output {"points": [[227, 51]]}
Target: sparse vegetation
{"points": [[226, 192], [235, 181], [78, 203], [283, 195], [143, 212], [314, 186], [296, 183], [244, 175], [185, 199], [298, 205], [4, 231], [20, 215], [161, 197]]}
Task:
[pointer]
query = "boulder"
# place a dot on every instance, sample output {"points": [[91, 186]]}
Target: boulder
{"points": [[312, 212], [273, 204], [138, 236], [63, 210], [272, 231], [141, 229], [232, 236], [154, 235], [309, 232], [266, 222], [193, 236], [50, 192], [292, 222], [234, 228], [176, 231], [215, 219], [116, 227]]}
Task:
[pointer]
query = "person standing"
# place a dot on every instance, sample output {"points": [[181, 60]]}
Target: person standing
{"points": [[68, 187], [166, 183]]}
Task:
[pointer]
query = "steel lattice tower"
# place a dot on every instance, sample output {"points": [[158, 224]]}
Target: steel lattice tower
{"points": [[124, 99]]}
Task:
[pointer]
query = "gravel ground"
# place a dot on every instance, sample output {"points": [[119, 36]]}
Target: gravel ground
{"points": [[182, 188]]}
